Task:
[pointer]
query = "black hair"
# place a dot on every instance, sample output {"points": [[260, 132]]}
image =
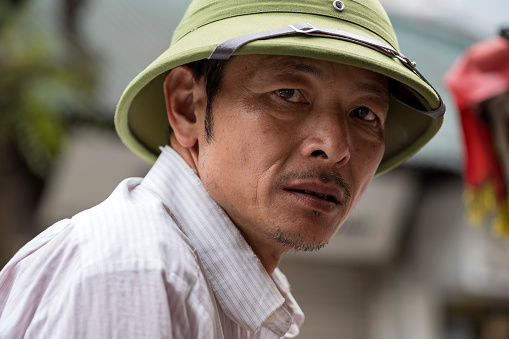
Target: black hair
{"points": [[212, 71]]}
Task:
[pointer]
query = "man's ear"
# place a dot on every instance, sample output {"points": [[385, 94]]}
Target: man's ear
{"points": [[179, 94]]}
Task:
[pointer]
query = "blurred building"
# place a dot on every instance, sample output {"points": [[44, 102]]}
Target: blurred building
{"points": [[407, 264]]}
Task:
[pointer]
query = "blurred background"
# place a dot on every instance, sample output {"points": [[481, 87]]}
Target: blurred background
{"points": [[406, 265]]}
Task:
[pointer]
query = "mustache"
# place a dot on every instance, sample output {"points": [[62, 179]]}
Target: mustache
{"points": [[316, 174]]}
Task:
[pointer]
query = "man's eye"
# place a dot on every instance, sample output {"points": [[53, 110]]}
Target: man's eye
{"points": [[364, 113], [293, 95]]}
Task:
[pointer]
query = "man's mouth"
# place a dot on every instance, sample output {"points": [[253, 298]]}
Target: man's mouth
{"points": [[327, 197], [321, 190]]}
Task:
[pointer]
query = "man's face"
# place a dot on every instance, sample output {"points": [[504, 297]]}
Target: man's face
{"points": [[295, 143]]}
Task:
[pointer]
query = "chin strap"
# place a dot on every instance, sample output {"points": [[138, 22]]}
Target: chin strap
{"points": [[227, 48]]}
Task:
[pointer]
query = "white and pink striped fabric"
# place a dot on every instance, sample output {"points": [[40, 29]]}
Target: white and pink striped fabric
{"points": [[157, 259]]}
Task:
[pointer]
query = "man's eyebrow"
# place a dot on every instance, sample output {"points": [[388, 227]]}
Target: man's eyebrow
{"points": [[295, 67], [291, 66], [374, 88]]}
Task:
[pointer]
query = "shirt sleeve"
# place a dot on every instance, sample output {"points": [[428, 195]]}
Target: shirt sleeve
{"points": [[123, 304]]}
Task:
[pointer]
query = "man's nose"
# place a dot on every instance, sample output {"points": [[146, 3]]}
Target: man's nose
{"points": [[328, 139]]}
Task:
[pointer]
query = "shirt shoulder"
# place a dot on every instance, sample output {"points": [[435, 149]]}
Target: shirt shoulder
{"points": [[127, 244], [133, 230]]}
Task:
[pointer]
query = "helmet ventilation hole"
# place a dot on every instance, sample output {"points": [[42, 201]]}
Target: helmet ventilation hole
{"points": [[338, 5]]}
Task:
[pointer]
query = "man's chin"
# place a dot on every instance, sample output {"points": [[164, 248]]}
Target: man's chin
{"points": [[296, 241]]}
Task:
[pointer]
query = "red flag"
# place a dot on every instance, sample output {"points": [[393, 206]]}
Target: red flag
{"points": [[480, 74]]}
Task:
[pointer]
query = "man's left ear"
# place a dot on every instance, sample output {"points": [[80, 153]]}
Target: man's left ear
{"points": [[180, 105]]}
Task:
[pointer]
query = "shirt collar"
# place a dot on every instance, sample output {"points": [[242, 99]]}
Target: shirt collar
{"points": [[240, 283]]}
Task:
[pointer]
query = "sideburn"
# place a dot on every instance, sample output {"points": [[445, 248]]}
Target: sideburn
{"points": [[213, 78]]}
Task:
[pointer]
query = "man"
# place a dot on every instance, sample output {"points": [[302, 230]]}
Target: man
{"points": [[281, 113]]}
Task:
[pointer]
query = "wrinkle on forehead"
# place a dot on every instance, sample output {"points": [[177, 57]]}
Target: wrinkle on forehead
{"points": [[322, 70]]}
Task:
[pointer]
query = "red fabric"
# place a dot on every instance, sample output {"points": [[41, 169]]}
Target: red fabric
{"points": [[481, 162], [481, 73]]}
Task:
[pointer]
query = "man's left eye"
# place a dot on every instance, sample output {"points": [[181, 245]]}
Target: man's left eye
{"points": [[290, 94], [364, 113]]}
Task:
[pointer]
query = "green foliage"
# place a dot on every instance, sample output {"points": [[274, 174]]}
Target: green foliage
{"points": [[46, 83]]}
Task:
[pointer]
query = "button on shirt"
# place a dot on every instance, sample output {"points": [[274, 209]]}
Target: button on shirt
{"points": [[157, 259]]}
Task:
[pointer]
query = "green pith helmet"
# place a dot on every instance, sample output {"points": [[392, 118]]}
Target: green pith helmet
{"points": [[353, 32]]}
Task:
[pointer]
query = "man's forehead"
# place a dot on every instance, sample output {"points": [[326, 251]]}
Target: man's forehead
{"points": [[294, 64], [274, 66]]}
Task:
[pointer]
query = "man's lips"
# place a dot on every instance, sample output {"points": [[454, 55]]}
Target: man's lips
{"points": [[330, 198], [321, 190], [330, 194]]}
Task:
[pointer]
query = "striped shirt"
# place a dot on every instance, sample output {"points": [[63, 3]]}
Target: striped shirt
{"points": [[157, 259]]}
